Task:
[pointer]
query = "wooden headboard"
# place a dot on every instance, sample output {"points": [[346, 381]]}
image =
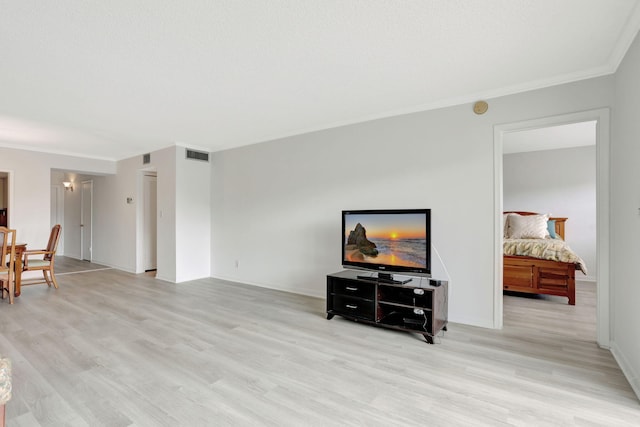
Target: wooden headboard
{"points": [[559, 221]]}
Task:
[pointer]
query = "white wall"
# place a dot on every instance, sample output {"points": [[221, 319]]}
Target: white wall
{"points": [[114, 220], [117, 224], [31, 189], [183, 206], [164, 162], [276, 206], [57, 217], [193, 218], [562, 183], [625, 216]]}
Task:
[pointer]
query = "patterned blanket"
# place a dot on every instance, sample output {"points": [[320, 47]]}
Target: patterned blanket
{"points": [[551, 249]]}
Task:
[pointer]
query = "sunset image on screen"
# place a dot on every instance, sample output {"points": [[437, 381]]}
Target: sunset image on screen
{"points": [[390, 239]]}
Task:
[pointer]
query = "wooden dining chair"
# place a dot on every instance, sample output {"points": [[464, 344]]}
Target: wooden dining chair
{"points": [[7, 260], [43, 260]]}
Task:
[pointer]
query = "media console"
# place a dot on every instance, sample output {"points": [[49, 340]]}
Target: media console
{"points": [[419, 305]]}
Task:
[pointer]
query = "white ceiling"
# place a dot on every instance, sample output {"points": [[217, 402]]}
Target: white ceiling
{"points": [[114, 79], [550, 138]]}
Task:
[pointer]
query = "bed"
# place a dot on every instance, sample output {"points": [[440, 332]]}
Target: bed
{"points": [[535, 263]]}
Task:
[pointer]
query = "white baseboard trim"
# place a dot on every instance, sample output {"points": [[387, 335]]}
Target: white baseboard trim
{"points": [[117, 267], [627, 369], [165, 279], [298, 291], [84, 271]]}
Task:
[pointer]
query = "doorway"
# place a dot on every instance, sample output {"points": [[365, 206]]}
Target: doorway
{"points": [[5, 193], [149, 220], [86, 224], [601, 117]]}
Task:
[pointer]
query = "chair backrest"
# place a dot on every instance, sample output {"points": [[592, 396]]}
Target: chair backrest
{"points": [[52, 246], [4, 232], [7, 248]]}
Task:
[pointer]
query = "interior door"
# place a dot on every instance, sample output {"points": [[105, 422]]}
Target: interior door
{"points": [[86, 216], [150, 220]]}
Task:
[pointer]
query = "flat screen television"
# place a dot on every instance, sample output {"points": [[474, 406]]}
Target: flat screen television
{"points": [[387, 241]]}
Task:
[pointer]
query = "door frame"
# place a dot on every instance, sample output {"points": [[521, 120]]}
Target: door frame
{"points": [[140, 220], [603, 277], [146, 217], [82, 229]]}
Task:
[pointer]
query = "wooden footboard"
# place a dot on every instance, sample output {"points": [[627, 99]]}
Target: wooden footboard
{"points": [[539, 276]]}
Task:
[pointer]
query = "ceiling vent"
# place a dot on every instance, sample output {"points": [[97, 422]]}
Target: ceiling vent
{"points": [[197, 155], [146, 159]]}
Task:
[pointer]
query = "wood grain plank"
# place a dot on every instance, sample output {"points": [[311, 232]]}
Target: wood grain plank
{"points": [[116, 349]]}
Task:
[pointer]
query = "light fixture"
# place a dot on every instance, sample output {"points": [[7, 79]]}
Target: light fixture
{"points": [[67, 185]]}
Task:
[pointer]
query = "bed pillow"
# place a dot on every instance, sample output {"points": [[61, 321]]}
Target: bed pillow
{"points": [[528, 226], [551, 228], [505, 226]]}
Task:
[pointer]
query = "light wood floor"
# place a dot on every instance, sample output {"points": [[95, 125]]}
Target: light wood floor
{"points": [[111, 348], [67, 265]]}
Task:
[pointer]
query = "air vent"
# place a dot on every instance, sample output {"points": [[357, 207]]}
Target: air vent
{"points": [[197, 155], [146, 159]]}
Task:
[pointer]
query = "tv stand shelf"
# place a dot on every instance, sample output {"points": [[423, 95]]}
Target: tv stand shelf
{"points": [[419, 305]]}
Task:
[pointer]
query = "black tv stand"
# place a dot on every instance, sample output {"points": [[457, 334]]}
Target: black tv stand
{"points": [[420, 307], [386, 278]]}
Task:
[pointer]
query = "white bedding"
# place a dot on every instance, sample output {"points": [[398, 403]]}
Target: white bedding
{"points": [[551, 249]]}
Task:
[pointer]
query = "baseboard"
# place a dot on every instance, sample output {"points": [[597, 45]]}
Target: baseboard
{"points": [[297, 291], [627, 369], [117, 267], [471, 321], [165, 279]]}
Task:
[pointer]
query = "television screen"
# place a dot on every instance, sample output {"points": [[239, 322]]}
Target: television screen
{"points": [[392, 241]]}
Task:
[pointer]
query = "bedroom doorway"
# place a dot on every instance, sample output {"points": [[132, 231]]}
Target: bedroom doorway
{"points": [[598, 121]]}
